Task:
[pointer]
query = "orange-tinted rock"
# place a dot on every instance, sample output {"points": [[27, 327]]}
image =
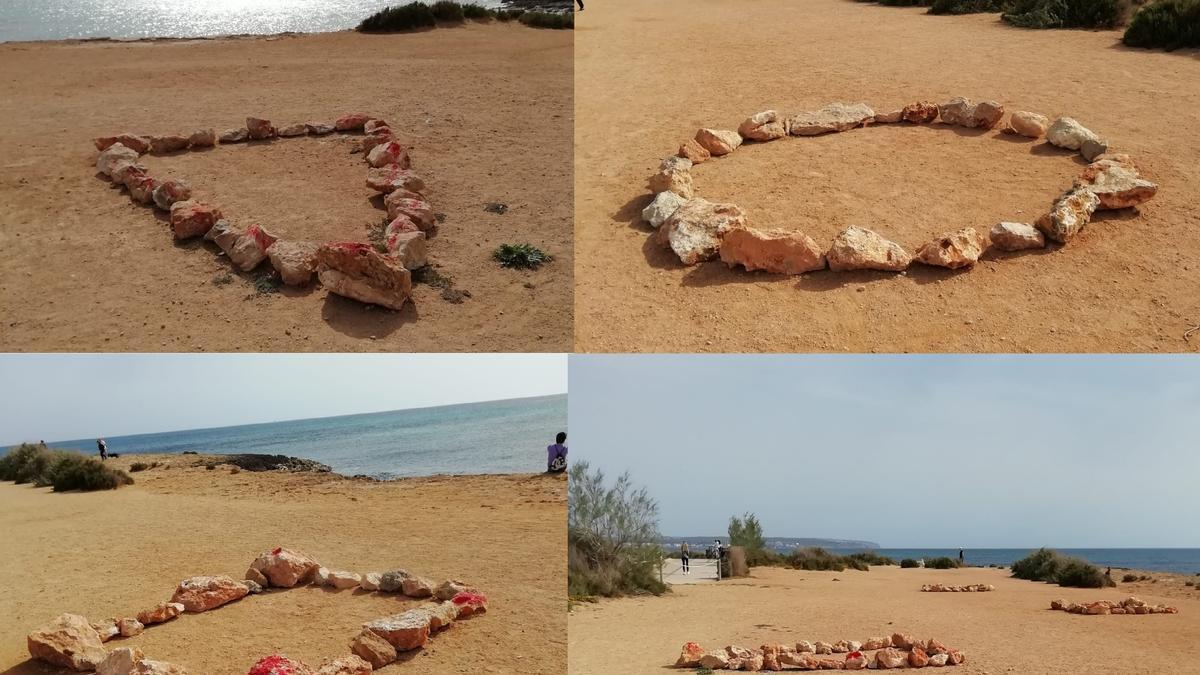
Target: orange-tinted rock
{"points": [[405, 631], [352, 122], [695, 229], [160, 614], [921, 112], [69, 642], [953, 250], [763, 126], [373, 649], [962, 112], [346, 665], [1069, 215], [356, 270], [890, 658], [161, 145], [775, 251], [1028, 124], [1117, 185], [718, 141], [858, 248], [200, 594], [917, 658], [139, 144], [693, 151], [387, 154], [259, 129], [387, 179], [285, 568], [192, 219]]}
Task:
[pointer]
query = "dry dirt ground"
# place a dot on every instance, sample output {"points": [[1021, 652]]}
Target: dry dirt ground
{"points": [[116, 552], [650, 74], [487, 109], [1009, 630]]}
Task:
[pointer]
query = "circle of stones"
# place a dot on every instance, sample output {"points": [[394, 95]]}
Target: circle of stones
{"points": [[371, 273], [697, 230]]}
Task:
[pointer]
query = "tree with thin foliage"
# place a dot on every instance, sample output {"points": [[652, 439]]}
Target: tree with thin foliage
{"points": [[611, 533]]}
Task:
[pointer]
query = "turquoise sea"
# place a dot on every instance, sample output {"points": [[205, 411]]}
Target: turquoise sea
{"points": [[508, 436]]}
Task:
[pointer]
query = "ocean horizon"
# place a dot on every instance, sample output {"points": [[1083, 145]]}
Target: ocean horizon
{"points": [[505, 436], [27, 20]]}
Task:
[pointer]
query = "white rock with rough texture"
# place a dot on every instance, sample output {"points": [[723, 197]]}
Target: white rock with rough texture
{"points": [[1117, 184], [120, 661], [115, 154], [343, 580], [69, 642], [1070, 213], [296, 261], [674, 175], [858, 248], [661, 208], [370, 581], [694, 231], [404, 631], [831, 118], [763, 126], [962, 112], [1016, 236], [1069, 134], [953, 250]]}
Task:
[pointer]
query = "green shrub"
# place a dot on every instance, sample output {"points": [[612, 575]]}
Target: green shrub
{"points": [[448, 11], [942, 563], [59, 469], [967, 6], [548, 19], [476, 12], [872, 558], [909, 562], [1165, 24], [525, 256], [508, 14], [818, 559], [1065, 13], [1129, 578], [1052, 567], [906, 3], [413, 16], [606, 530]]}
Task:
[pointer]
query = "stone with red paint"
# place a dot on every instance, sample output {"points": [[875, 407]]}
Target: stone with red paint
{"points": [[356, 270], [192, 219], [278, 664], [139, 144], [389, 153], [113, 155], [352, 122], [470, 603], [259, 128], [417, 210], [169, 191], [388, 179], [284, 568]]}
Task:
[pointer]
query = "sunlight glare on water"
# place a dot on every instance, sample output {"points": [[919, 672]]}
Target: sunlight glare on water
{"points": [[66, 19]]}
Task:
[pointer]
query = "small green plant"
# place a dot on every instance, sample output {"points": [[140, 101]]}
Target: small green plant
{"points": [[525, 256], [448, 11], [942, 563], [1165, 24], [909, 563], [413, 16], [222, 279], [266, 283]]}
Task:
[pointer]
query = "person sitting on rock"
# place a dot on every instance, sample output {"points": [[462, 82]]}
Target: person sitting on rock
{"points": [[556, 455]]}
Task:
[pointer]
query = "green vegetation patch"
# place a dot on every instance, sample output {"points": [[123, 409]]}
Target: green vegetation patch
{"points": [[524, 256], [1165, 24], [1053, 567], [59, 469]]}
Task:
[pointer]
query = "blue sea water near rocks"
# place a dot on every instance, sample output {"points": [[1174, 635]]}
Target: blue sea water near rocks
{"points": [[22, 20], [508, 436]]}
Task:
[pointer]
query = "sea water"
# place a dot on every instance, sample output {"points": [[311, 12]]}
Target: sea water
{"points": [[1181, 560], [508, 436], [126, 19]]}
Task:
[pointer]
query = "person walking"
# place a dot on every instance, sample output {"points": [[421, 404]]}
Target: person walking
{"points": [[685, 554], [580, 4], [103, 448], [556, 455], [961, 557]]}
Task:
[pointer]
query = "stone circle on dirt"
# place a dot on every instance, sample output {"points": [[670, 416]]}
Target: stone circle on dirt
{"points": [[897, 651], [1130, 605], [72, 642], [348, 268], [947, 588], [698, 230]]}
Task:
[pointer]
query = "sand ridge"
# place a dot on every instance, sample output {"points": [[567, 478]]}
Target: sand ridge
{"points": [[1011, 629], [121, 551], [1123, 285], [487, 108]]}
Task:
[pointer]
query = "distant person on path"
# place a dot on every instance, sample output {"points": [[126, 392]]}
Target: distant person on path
{"points": [[684, 553], [556, 455], [961, 557], [103, 447]]}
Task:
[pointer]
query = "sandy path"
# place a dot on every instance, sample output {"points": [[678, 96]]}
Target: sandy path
{"points": [[650, 73], [108, 553], [487, 109], [1010, 629]]}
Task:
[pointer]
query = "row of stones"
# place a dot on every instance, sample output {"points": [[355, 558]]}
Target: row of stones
{"points": [[1130, 605], [74, 643], [945, 588], [351, 269], [897, 651], [697, 230]]}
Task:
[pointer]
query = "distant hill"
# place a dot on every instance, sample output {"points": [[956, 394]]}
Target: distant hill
{"points": [[778, 543]]}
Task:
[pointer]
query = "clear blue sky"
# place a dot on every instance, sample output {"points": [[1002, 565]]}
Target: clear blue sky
{"points": [[65, 396], [907, 451]]}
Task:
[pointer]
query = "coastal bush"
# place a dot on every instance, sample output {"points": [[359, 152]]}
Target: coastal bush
{"points": [[60, 470], [909, 562], [1129, 578], [413, 16], [967, 6], [476, 12], [906, 3], [816, 558], [608, 533], [507, 14], [1165, 24], [548, 19], [872, 558], [1065, 13], [448, 11], [747, 533], [139, 466], [942, 563], [1052, 567], [526, 256]]}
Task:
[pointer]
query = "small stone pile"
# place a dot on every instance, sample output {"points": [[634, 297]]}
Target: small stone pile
{"points": [[698, 230], [1130, 605], [946, 588], [351, 269], [898, 651], [71, 642]]}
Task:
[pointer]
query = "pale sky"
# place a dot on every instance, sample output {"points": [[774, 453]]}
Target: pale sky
{"points": [[906, 451], [66, 396]]}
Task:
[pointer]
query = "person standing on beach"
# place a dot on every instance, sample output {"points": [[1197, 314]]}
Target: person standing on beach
{"points": [[103, 447], [556, 455], [684, 553], [961, 557]]}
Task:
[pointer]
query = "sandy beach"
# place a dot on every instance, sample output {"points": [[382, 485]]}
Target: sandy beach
{"points": [[650, 74], [1009, 630], [487, 110], [117, 552]]}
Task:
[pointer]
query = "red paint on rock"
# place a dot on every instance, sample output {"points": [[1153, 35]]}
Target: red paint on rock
{"points": [[277, 664]]}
